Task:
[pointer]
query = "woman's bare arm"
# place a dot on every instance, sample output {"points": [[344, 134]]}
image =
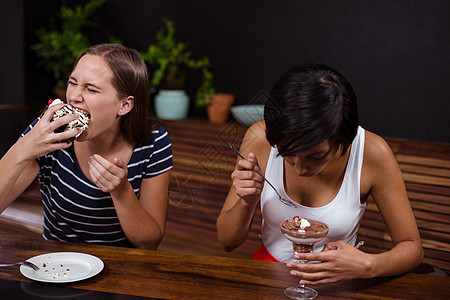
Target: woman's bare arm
{"points": [[18, 167], [234, 221], [389, 192]]}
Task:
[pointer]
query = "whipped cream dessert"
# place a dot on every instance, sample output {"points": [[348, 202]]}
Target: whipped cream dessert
{"points": [[80, 123], [303, 233]]}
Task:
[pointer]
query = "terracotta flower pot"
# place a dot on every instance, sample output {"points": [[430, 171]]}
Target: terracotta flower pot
{"points": [[219, 107]]}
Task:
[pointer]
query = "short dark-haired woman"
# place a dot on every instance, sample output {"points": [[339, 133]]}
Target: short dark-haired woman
{"points": [[311, 148]]}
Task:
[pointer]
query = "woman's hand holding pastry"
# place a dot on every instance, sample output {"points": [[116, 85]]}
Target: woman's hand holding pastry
{"points": [[42, 139], [337, 261], [109, 176], [246, 181]]}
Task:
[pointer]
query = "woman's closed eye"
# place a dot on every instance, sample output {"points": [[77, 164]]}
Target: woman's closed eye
{"points": [[319, 156], [91, 90]]}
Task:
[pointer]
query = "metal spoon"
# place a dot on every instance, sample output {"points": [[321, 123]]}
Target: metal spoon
{"points": [[285, 201]]}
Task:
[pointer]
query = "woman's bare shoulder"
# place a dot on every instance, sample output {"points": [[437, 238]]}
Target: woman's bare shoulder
{"points": [[380, 170], [376, 147], [378, 155], [255, 141]]}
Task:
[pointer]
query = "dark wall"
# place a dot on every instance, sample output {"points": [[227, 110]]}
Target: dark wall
{"points": [[12, 70], [395, 53]]}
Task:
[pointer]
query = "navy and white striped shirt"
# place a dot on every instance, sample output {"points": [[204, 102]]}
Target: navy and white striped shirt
{"points": [[76, 210]]}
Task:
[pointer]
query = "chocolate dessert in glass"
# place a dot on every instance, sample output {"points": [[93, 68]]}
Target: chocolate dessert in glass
{"points": [[303, 234]]}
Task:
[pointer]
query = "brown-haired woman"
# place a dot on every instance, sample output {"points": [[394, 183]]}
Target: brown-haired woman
{"points": [[110, 185]]}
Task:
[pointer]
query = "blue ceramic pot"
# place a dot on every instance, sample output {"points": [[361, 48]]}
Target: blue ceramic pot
{"points": [[171, 104]]}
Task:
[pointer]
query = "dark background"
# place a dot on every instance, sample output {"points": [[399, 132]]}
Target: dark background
{"points": [[395, 53]]}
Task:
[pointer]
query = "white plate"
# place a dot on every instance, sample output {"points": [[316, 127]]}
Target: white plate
{"points": [[63, 267]]}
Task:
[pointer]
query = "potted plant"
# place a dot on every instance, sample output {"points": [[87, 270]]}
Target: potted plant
{"points": [[170, 58], [218, 105], [59, 46]]}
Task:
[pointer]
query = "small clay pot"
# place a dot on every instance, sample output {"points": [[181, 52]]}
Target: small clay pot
{"points": [[219, 107]]}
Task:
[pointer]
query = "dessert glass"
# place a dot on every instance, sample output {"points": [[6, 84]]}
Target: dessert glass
{"points": [[303, 239]]}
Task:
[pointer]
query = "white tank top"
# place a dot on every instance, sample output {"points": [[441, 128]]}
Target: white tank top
{"points": [[342, 215]]}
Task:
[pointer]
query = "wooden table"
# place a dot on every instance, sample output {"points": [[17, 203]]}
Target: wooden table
{"points": [[166, 275]]}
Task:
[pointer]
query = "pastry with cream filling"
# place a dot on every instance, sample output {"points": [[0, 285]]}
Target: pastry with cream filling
{"points": [[80, 123]]}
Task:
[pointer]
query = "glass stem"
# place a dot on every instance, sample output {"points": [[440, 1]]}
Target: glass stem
{"points": [[301, 287]]}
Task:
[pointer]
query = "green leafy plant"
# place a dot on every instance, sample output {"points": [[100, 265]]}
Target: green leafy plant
{"points": [[206, 90], [59, 46], [170, 58]]}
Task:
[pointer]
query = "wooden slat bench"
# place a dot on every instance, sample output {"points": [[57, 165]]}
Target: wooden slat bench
{"points": [[200, 182]]}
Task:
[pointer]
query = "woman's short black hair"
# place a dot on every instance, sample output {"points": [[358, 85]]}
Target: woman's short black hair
{"points": [[308, 105]]}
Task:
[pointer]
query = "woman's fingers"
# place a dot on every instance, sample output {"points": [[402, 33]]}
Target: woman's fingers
{"points": [[252, 159], [105, 174], [48, 114], [53, 125]]}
